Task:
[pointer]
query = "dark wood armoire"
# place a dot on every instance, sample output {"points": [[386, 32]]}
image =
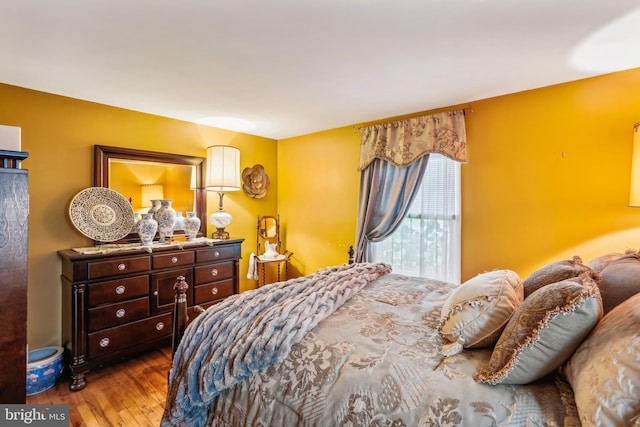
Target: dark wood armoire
{"points": [[14, 212]]}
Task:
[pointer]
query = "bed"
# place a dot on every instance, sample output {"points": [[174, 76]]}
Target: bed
{"points": [[359, 345]]}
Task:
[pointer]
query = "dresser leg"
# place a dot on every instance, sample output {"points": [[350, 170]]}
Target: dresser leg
{"points": [[78, 382]]}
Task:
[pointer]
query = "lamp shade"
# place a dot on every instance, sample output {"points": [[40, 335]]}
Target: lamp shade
{"points": [[223, 168], [634, 196]]}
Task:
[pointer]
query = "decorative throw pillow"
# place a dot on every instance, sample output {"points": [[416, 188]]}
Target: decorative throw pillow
{"points": [[544, 331], [599, 263], [477, 311], [553, 273], [604, 372], [620, 280]]}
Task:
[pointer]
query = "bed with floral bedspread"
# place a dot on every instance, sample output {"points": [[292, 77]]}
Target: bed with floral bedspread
{"points": [[358, 345]]}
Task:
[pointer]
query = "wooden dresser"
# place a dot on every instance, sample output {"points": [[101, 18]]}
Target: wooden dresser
{"points": [[121, 303], [14, 213]]}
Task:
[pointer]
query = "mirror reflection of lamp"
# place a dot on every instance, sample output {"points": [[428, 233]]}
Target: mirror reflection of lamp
{"points": [[223, 175], [634, 194], [151, 192], [194, 180], [193, 186]]}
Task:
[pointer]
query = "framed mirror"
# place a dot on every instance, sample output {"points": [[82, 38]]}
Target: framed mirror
{"points": [[135, 173], [268, 227]]}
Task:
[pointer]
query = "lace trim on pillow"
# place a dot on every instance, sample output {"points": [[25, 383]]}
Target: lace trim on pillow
{"points": [[473, 303]]}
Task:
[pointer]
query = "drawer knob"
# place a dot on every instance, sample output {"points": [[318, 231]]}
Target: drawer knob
{"points": [[155, 293], [214, 272], [121, 266], [214, 291], [159, 326], [120, 313], [120, 290], [104, 342], [216, 254], [174, 259]]}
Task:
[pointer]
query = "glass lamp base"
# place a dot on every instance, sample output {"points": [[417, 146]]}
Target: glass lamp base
{"points": [[220, 220]]}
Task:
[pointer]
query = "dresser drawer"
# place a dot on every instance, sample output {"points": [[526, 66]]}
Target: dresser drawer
{"points": [[118, 290], [213, 291], [116, 314], [125, 336], [217, 253], [174, 259], [118, 267], [208, 273]]}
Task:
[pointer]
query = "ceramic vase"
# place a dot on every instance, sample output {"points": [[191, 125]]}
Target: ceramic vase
{"points": [[147, 228], [191, 225], [166, 217], [179, 224], [155, 205], [137, 216]]}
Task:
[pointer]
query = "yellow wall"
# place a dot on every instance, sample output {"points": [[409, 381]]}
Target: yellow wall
{"points": [[318, 197], [548, 175], [547, 178], [59, 133]]}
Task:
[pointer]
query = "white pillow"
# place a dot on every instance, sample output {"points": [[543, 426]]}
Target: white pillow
{"points": [[604, 371], [477, 311]]}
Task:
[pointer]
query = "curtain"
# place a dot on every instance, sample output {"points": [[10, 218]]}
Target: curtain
{"points": [[386, 192], [402, 142], [393, 158]]}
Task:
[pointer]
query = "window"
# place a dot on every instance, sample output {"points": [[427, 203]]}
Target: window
{"points": [[427, 243]]}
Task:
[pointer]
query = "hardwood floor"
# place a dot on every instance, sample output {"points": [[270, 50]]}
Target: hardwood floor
{"points": [[128, 394]]}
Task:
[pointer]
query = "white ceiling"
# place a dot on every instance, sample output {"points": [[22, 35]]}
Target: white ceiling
{"points": [[292, 67]]}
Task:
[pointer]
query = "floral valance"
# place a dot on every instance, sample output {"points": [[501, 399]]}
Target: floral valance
{"points": [[402, 142]]}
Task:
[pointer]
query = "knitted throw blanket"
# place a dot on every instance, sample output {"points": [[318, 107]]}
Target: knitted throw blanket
{"points": [[251, 331]]}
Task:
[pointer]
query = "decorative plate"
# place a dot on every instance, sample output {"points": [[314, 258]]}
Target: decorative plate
{"points": [[101, 214]]}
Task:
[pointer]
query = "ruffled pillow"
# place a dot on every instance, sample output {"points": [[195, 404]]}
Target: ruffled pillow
{"points": [[553, 273], [604, 372], [544, 331], [477, 311], [600, 263], [620, 280]]}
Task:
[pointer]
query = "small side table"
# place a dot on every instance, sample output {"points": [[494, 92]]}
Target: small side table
{"points": [[263, 263]]}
